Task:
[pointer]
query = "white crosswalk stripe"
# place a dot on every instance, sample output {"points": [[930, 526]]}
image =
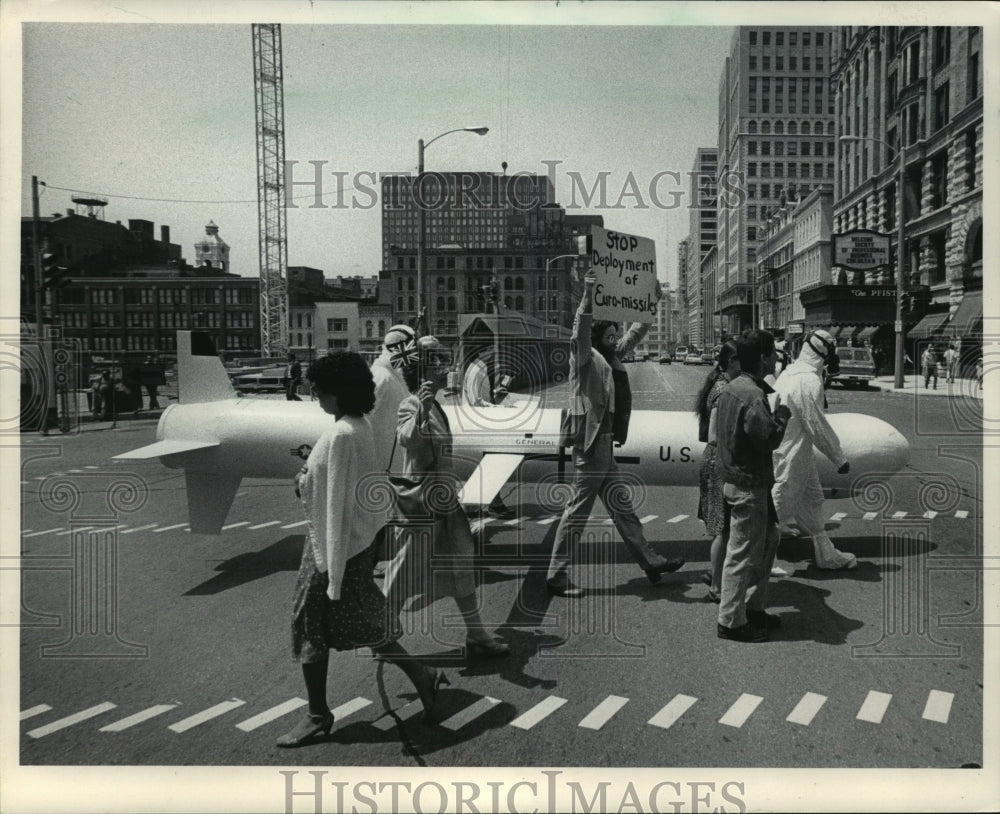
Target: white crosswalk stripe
{"points": [[76, 718], [295, 525], [929, 515], [678, 518], [961, 514], [806, 709], [938, 707], [649, 518], [80, 528], [141, 528], [870, 515], [516, 521], [271, 714], [898, 515], [874, 707], [387, 722], [206, 715], [669, 715], [836, 518], [138, 718], [547, 521], [341, 712], [33, 711], [603, 712], [739, 712], [236, 525], [470, 713], [39, 533], [539, 712], [265, 525], [170, 528]]}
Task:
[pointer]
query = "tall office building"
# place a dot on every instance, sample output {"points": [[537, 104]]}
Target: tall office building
{"points": [[701, 239], [776, 136], [918, 91], [479, 226], [682, 324]]}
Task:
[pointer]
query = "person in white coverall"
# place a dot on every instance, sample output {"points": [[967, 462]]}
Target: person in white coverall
{"points": [[797, 493]]}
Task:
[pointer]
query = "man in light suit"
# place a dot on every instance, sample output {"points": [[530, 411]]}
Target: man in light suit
{"points": [[601, 404]]}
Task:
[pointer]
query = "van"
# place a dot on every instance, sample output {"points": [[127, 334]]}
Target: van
{"points": [[680, 352], [856, 367]]}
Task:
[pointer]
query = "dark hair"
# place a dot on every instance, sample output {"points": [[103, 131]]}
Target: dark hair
{"points": [[344, 374], [752, 345], [726, 354], [597, 330]]}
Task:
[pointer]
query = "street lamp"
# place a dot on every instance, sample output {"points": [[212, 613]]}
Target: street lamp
{"points": [[900, 249], [422, 214]]}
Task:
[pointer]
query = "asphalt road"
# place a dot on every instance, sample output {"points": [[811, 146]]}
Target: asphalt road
{"points": [[182, 655]]}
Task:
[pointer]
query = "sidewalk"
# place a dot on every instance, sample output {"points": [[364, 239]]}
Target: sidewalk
{"points": [[914, 385]]}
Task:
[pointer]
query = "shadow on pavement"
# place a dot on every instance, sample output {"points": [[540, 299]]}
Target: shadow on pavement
{"points": [[284, 555]]}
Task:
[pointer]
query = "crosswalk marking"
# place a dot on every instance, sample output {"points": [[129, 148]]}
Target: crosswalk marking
{"points": [[739, 712], [206, 715], [516, 521], [547, 521], [678, 518], [539, 712], [806, 709], [470, 713], [898, 515], [961, 514], [874, 707], [170, 528], [938, 706], [33, 711], [387, 722], [138, 718], [603, 712], [870, 515], [271, 714], [649, 518], [235, 525], [836, 518], [74, 471], [39, 533], [929, 515], [668, 716], [62, 723], [608, 522], [90, 467], [141, 528], [265, 525], [350, 708], [295, 525]]}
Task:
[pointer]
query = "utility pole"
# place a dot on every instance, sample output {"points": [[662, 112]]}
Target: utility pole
{"points": [[36, 250]]}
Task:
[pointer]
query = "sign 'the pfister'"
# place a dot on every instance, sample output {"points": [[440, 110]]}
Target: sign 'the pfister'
{"points": [[625, 267]]}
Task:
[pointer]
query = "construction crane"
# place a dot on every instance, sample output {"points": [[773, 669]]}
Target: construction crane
{"points": [[273, 248]]}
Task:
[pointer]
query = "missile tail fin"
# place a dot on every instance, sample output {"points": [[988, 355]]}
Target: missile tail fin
{"points": [[200, 373], [209, 498]]}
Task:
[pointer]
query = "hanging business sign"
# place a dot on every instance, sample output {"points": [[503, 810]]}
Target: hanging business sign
{"points": [[625, 267], [860, 250]]}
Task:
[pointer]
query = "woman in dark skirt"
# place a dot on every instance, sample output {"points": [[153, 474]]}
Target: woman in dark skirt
{"points": [[337, 604], [712, 509]]}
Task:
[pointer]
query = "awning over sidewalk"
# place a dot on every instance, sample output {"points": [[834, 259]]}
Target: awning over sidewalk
{"points": [[969, 313], [928, 326], [866, 332]]}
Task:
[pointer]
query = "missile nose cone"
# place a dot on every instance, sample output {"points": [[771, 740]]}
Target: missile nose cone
{"points": [[889, 449]]}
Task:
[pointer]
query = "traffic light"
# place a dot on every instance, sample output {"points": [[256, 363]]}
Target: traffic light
{"points": [[584, 244], [53, 276]]}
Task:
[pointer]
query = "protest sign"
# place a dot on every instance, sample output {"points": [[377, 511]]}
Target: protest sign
{"points": [[625, 267]]}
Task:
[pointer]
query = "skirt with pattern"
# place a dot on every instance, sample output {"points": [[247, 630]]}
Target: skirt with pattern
{"points": [[360, 618], [712, 508]]}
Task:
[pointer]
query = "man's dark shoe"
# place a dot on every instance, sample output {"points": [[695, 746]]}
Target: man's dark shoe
{"points": [[744, 633], [654, 574], [566, 589], [762, 619]]}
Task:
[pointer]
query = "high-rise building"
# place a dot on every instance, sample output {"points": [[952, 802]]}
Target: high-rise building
{"points": [[479, 226], [701, 239], [776, 143], [682, 325], [916, 91]]}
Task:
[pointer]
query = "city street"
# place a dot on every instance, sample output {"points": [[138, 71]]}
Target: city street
{"points": [[182, 657]]}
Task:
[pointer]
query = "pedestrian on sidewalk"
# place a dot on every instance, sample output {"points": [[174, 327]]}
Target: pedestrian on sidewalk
{"points": [[337, 605], [929, 363], [599, 412], [748, 433], [950, 363], [797, 492], [712, 508], [293, 378]]}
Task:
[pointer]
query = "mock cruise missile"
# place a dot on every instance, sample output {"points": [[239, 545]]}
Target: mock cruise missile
{"points": [[218, 438]]}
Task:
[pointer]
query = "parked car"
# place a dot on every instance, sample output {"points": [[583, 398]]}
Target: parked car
{"points": [[269, 379], [665, 359], [693, 357], [680, 352], [709, 355], [856, 367]]}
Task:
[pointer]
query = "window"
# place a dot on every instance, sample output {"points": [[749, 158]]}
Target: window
{"points": [[752, 169], [942, 46], [767, 38], [336, 326], [779, 63], [765, 148], [779, 148], [753, 37], [806, 64], [941, 107], [780, 38], [767, 63], [753, 62], [793, 63], [805, 39], [819, 38], [752, 148], [765, 169]]}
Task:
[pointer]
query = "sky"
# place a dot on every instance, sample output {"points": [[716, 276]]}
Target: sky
{"points": [[159, 119]]}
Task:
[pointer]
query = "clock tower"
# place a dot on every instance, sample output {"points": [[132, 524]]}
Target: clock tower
{"points": [[212, 251]]}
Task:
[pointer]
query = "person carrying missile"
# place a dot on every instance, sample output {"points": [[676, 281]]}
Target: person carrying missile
{"points": [[337, 605], [798, 495], [748, 432], [599, 412], [424, 439]]}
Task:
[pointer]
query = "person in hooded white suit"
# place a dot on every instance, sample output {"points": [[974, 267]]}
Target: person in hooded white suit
{"points": [[797, 493]]}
